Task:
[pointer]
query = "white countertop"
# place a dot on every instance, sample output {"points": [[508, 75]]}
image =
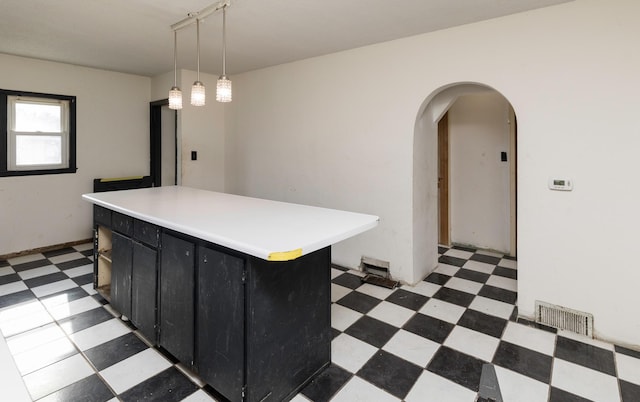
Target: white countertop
{"points": [[270, 230]]}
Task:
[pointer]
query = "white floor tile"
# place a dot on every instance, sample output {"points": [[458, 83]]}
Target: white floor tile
{"points": [[13, 389], [89, 289], [335, 273], [358, 390], [490, 253], [134, 370], [25, 258], [446, 269], [491, 307], [7, 271], [84, 246], [25, 323], [628, 368], [351, 353], [517, 387], [21, 310], [34, 338], [422, 288], [31, 360], [54, 287], [299, 398], [504, 283], [479, 266], [375, 291], [443, 310], [584, 382], [391, 313], [201, 396], [82, 270], [66, 257], [36, 272], [338, 292], [508, 263], [411, 347], [458, 253], [342, 317], [13, 287], [74, 307], [99, 334], [530, 338], [472, 343], [432, 387], [57, 376], [464, 285]]}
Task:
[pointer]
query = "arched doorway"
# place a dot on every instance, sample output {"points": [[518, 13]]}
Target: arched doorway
{"points": [[428, 205]]}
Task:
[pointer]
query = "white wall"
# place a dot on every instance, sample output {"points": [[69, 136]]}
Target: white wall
{"points": [[479, 180], [338, 131], [112, 141]]}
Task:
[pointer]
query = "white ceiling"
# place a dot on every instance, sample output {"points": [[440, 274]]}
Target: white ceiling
{"points": [[134, 36]]}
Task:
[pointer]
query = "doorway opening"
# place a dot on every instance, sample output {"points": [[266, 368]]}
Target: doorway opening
{"points": [[465, 174], [163, 144]]}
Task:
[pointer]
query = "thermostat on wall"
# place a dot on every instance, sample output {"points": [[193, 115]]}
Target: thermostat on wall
{"points": [[563, 184]]}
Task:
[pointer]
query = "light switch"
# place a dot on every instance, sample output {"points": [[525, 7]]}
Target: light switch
{"points": [[194, 155], [560, 184]]}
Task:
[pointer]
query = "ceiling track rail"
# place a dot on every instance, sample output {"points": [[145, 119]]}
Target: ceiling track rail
{"points": [[200, 15]]}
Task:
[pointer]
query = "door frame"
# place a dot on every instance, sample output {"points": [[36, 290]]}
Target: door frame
{"points": [[443, 181], [155, 141]]}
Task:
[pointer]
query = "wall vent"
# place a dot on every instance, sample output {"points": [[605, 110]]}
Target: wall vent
{"points": [[564, 318], [377, 272]]}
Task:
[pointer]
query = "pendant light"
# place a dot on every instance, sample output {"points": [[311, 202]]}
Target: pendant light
{"points": [[175, 95], [197, 90], [223, 87]]}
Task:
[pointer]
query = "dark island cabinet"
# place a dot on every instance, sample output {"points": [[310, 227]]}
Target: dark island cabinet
{"points": [[121, 257], [144, 290], [176, 312]]}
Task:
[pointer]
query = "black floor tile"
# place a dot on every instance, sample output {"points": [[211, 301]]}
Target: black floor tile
{"points": [[4, 279], [481, 322], [558, 395], [410, 300], [585, 355], [489, 259], [169, 385], [348, 280], [84, 320], [325, 386], [339, 268], [429, 327], [87, 253], [534, 324], [59, 251], [114, 351], [4, 263], [437, 278], [31, 265], [391, 373], [524, 361], [463, 248], [74, 263], [628, 352], [630, 392], [472, 275], [16, 298], [83, 279], [506, 272], [372, 331], [457, 367], [66, 295], [510, 257], [359, 302], [499, 294], [334, 333], [89, 389], [454, 296], [449, 260], [45, 279], [442, 250]]}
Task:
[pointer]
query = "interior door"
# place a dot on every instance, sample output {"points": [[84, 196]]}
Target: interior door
{"points": [[443, 180]]}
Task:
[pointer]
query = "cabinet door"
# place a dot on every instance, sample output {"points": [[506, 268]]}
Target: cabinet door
{"points": [[143, 290], [121, 257], [177, 297], [220, 322]]}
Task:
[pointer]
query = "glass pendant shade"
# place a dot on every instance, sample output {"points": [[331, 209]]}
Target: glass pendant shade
{"points": [[197, 94], [223, 89], [175, 98]]}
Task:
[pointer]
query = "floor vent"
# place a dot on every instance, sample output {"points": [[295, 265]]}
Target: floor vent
{"points": [[377, 273], [564, 318]]}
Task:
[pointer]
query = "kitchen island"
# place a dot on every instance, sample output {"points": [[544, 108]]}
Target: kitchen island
{"points": [[236, 288]]}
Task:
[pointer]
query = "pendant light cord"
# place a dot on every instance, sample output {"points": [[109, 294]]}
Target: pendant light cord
{"points": [[198, 44], [175, 58], [224, 41]]}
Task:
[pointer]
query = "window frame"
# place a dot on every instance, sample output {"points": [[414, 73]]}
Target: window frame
{"points": [[69, 149]]}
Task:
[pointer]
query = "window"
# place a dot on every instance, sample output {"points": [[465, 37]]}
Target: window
{"points": [[38, 133]]}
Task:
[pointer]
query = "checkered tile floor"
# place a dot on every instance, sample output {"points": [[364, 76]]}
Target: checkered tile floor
{"points": [[422, 343]]}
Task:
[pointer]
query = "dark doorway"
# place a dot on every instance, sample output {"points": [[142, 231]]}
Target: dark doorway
{"points": [[163, 144]]}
